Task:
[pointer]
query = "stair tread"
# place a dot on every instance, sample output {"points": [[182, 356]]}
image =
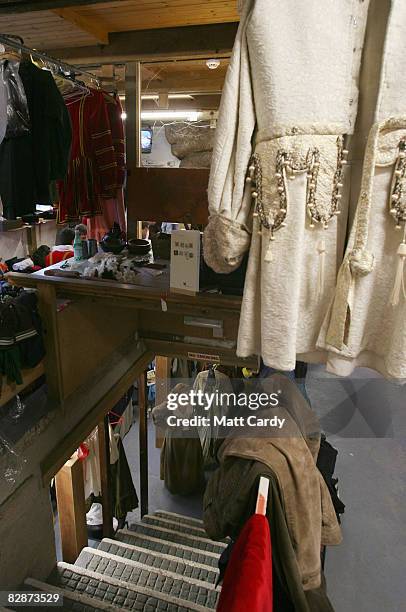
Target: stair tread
{"points": [[71, 599], [135, 572], [179, 538], [181, 517], [145, 555], [157, 544], [129, 596], [151, 519]]}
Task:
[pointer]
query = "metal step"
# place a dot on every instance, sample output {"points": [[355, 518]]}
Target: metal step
{"points": [[180, 518], [121, 594], [160, 521], [158, 560], [158, 545], [139, 574], [170, 535], [72, 601]]}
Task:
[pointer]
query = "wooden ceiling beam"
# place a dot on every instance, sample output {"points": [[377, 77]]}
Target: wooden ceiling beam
{"points": [[90, 26], [21, 6], [188, 83], [188, 42], [199, 103], [193, 89]]}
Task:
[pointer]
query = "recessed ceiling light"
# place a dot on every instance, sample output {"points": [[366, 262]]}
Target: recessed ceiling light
{"points": [[212, 64]]}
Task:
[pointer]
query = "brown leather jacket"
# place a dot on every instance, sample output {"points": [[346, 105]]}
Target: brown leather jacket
{"points": [[290, 462]]}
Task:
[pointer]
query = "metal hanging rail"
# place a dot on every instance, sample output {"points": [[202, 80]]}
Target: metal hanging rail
{"points": [[68, 68]]}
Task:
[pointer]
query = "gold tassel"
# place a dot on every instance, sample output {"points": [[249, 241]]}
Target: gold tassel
{"points": [[399, 287]]}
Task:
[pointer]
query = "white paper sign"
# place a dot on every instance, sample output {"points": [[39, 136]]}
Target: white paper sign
{"points": [[185, 261]]}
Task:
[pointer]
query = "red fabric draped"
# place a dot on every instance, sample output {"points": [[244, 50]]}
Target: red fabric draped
{"points": [[247, 582], [57, 256]]}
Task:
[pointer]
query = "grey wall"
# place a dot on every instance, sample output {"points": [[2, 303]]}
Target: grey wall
{"points": [[27, 540]]}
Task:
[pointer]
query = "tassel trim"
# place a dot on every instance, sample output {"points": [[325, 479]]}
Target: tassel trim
{"points": [[400, 286]]}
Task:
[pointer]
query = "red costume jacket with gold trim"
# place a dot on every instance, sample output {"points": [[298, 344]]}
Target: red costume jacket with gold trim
{"points": [[92, 172], [115, 112]]}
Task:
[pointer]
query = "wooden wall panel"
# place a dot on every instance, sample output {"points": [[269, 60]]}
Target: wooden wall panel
{"points": [[168, 194], [89, 334]]}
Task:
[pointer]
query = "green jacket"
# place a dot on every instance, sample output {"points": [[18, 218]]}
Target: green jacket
{"points": [[229, 501]]}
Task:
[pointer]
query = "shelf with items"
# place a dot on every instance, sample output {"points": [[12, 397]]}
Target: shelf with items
{"points": [[10, 390]]}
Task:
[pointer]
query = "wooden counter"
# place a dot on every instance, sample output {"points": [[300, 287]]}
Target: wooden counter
{"points": [[85, 320], [101, 335]]}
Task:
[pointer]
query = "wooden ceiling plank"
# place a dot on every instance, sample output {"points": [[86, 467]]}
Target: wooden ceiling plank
{"points": [[91, 27], [130, 15], [19, 6], [174, 5], [149, 14], [93, 22]]}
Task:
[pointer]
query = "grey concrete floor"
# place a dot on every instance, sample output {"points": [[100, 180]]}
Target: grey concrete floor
{"points": [[365, 419]]}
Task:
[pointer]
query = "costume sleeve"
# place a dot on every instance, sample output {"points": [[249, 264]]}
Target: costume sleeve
{"points": [[103, 149], [227, 236]]}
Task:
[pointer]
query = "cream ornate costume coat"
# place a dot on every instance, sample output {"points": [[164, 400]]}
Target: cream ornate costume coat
{"points": [[281, 185], [366, 325]]}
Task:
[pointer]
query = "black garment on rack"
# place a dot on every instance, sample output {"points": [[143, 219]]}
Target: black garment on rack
{"points": [[228, 284], [124, 496], [326, 462], [21, 343], [29, 163]]}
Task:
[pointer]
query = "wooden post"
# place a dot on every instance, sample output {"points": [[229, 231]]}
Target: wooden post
{"points": [[143, 438], [48, 310], [32, 239], [162, 383], [137, 109], [130, 123], [138, 145], [133, 84], [104, 458], [70, 494]]}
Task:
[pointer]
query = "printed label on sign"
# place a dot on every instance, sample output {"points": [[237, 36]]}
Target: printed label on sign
{"points": [[204, 357], [164, 305]]}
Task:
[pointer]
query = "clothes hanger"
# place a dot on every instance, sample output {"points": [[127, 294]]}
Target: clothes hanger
{"points": [[39, 63], [120, 418], [11, 54], [78, 87]]}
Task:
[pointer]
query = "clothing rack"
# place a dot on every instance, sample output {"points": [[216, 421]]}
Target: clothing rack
{"points": [[64, 68]]}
